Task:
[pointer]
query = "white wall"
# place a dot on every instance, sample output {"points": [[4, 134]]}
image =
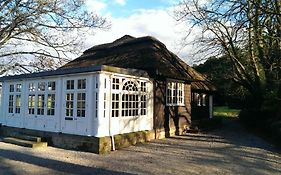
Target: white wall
{"points": [[1, 102]]}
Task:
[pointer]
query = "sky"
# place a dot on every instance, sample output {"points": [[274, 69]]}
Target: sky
{"points": [[141, 18]]}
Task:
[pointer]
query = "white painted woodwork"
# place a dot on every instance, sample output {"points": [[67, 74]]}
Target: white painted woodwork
{"points": [[98, 120], [210, 106]]}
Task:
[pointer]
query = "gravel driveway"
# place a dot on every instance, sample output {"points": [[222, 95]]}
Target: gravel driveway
{"points": [[228, 150]]}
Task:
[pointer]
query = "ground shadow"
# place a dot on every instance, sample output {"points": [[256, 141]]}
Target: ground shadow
{"points": [[234, 133], [60, 166]]}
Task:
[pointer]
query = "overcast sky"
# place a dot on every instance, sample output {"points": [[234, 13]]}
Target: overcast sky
{"points": [[141, 18]]}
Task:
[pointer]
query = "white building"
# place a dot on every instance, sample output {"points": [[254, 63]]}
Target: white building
{"points": [[79, 101]]}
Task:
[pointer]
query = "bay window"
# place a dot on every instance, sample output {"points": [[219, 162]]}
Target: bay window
{"points": [[128, 98]]}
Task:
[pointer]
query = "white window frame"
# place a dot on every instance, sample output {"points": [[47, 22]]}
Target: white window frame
{"points": [[79, 86], [199, 99], [15, 90], [174, 93], [35, 89], [137, 107]]}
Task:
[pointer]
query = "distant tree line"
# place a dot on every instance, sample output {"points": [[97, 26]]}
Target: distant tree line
{"points": [[245, 36], [220, 72]]}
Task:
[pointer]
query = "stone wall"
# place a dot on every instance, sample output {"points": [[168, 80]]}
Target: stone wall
{"points": [[99, 145]]}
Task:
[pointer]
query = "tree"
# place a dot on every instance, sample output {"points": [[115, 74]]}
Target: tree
{"points": [[219, 71], [247, 32], [42, 34]]}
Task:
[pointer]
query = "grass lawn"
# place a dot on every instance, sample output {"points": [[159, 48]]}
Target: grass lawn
{"points": [[225, 112]]}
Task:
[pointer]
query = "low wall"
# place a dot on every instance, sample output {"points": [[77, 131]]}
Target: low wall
{"points": [[99, 145]]}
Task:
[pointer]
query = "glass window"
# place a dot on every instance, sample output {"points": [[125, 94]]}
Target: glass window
{"points": [[81, 104], [69, 84], [199, 99], [18, 104], [130, 104], [11, 103], [97, 83], [175, 94], [169, 93], [143, 105], [115, 105], [41, 86], [115, 83], [104, 104], [143, 86], [130, 86], [97, 100], [18, 87], [12, 88], [81, 84], [31, 87], [51, 100], [51, 86], [203, 99], [130, 99], [31, 104], [40, 104], [69, 104], [180, 93]]}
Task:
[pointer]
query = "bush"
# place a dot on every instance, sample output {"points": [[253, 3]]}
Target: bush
{"points": [[255, 118]]}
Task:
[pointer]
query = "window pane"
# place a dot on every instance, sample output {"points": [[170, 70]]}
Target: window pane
{"points": [[51, 85], [51, 104], [18, 103], [31, 104], [81, 104], [11, 104], [174, 93], [31, 87], [69, 84], [130, 86], [81, 84], [18, 87], [41, 86], [69, 104], [115, 105], [40, 104], [12, 88]]}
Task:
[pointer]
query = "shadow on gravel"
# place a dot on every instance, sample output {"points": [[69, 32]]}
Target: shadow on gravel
{"points": [[234, 133], [207, 157], [62, 167]]}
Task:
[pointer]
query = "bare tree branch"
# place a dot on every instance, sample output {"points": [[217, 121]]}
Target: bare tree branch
{"points": [[36, 29]]}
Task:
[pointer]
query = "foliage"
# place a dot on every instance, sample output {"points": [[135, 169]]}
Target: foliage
{"points": [[42, 34], [225, 112], [220, 72], [247, 32]]}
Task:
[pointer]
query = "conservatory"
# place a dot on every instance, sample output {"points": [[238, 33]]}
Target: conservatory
{"points": [[90, 101]]}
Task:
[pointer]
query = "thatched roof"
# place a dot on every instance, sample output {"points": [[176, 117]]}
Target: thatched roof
{"points": [[145, 53], [77, 70]]}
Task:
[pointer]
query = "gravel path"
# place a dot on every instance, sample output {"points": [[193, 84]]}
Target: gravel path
{"points": [[228, 150]]}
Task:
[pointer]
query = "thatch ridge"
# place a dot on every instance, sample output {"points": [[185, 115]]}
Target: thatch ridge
{"points": [[145, 53]]}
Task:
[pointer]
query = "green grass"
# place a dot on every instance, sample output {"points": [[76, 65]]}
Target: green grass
{"points": [[225, 112]]}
